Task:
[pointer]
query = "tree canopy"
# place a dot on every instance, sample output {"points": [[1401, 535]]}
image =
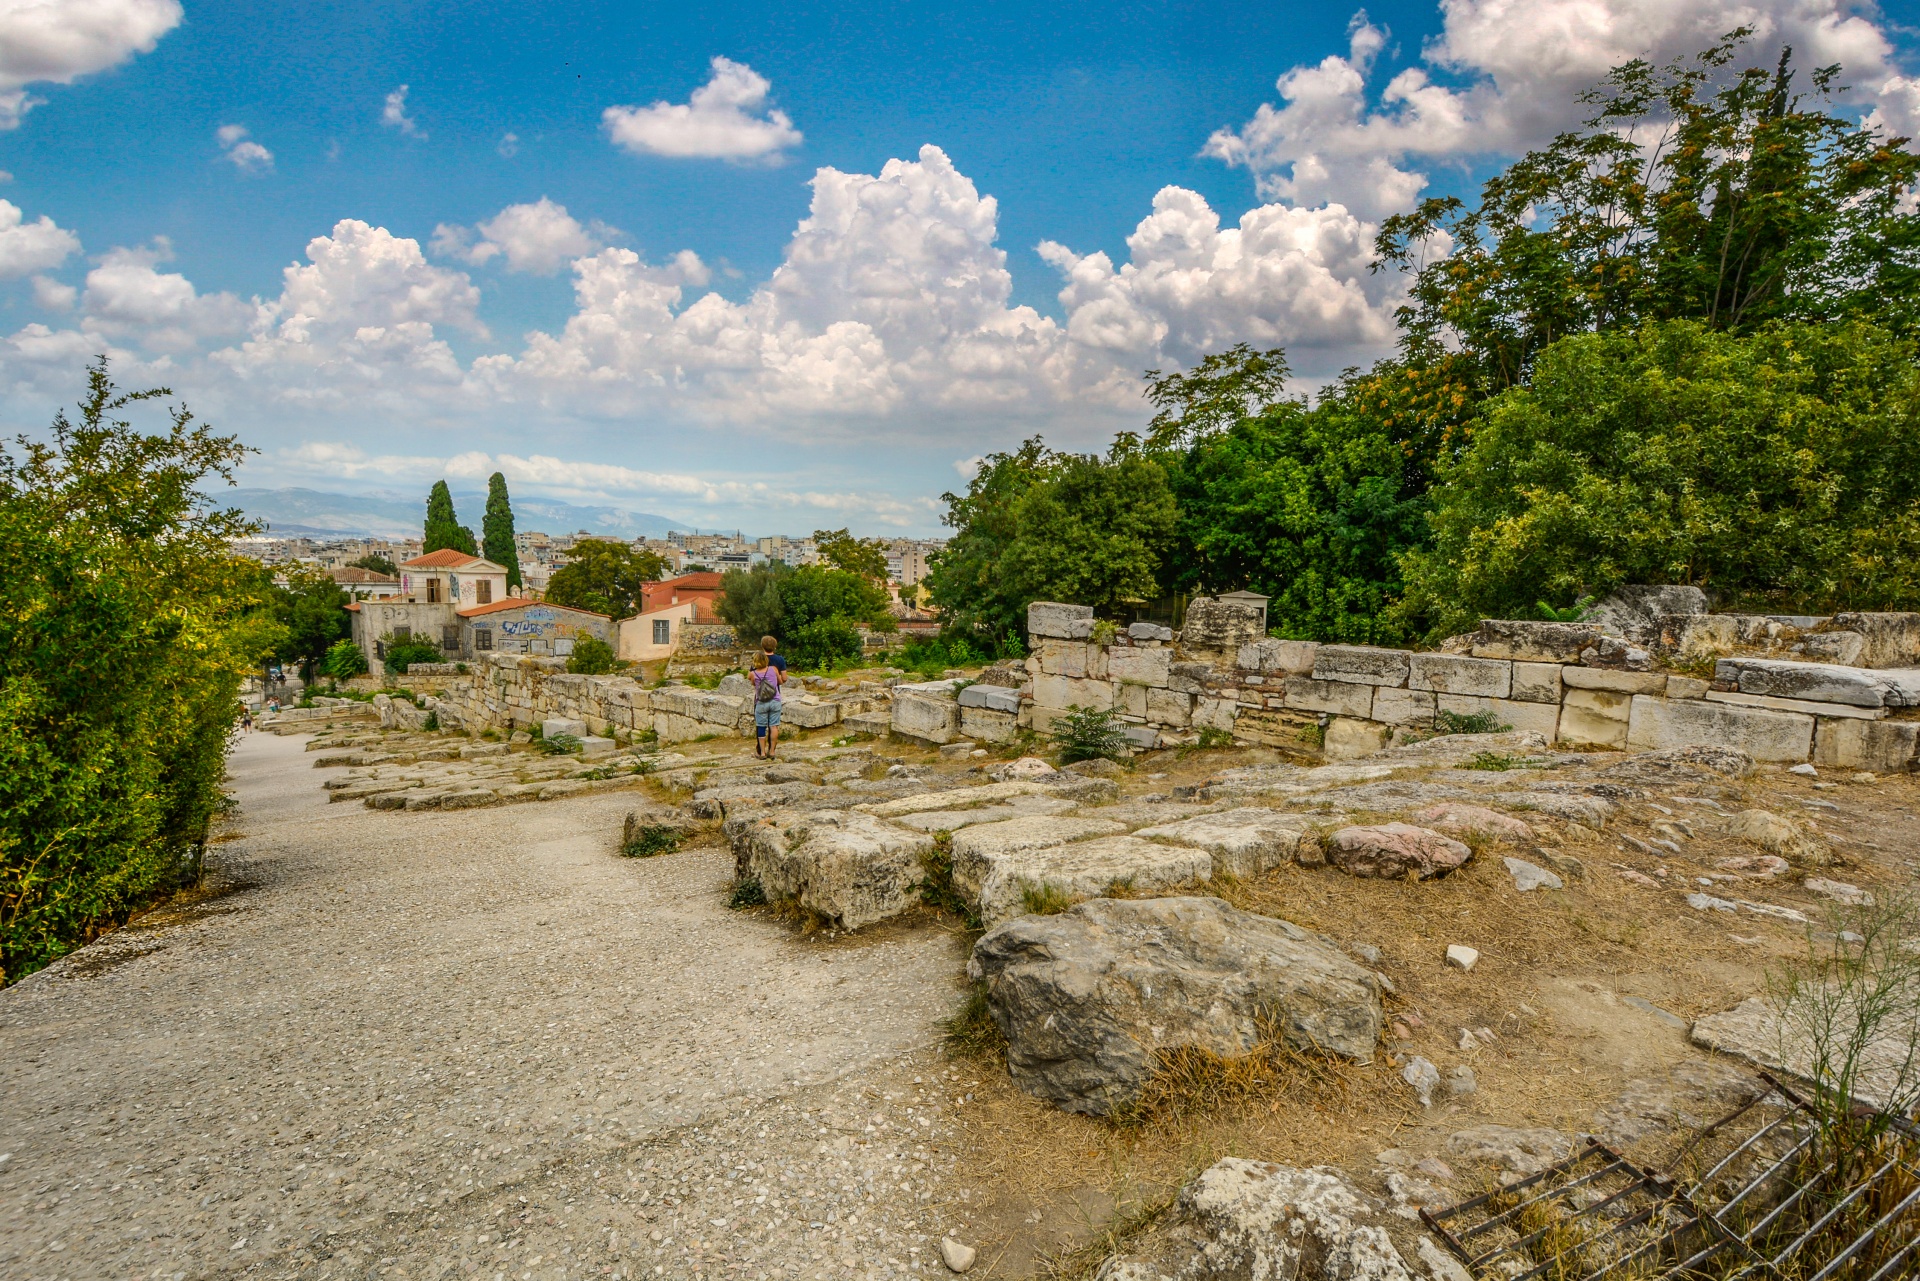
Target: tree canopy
{"points": [[443, 528], [496, 531], [839, 549], [312, 610], [605, 576]]}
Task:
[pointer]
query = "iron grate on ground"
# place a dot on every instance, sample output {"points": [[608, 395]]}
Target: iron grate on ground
{"points": [[1774, 1189]]}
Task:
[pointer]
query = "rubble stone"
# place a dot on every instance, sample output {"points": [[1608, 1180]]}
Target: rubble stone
{"points": [[1458, 816], [1393, 850], [843, 864]]}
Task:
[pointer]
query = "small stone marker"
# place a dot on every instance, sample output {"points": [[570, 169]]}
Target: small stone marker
{"points": [[1530, 876], [956, 1256], [1805, 770], [1462, 957]]}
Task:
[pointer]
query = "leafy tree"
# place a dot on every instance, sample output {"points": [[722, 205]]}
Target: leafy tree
{"points": [[1221, 390], [1093, 531], [964, 581], [126, 627], [824, 642], [1694, 192], [443, 528], [376, 564], [815, 610], [1781, 467], [312, 611], [403, 652], [750, 599], [815, 592], [496, 530], [344, 661], [866, 557], [604, 576], [592, 656]]}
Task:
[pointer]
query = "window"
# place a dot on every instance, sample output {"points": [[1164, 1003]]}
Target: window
{"points": [[433, 591], [483, 638], [483, 592], [662, 632], [450, 636]]}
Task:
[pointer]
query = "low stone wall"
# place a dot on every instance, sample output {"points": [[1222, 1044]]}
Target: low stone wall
{"points": [[1574, 685]]}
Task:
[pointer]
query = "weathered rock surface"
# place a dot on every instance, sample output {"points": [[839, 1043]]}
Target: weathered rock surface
{"points": [[1777, 835], [849, 866], [1081, 871], [1524, 1151], [1243, 842], [1086, 997], [1531, 876], [1455, 816], [1391, 850], [1819, 682], [981, 846], [1255, 1221], [1681, 765]]}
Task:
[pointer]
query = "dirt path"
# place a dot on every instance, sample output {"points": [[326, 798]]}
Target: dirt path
{"points": [[472, 1043]]}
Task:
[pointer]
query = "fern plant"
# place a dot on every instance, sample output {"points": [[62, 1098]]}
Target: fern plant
{"points": [[1574, 613], [1087, 733]]}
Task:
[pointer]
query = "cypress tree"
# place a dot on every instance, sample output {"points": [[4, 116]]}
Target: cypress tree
{"points": [[496, 531], [443, 528]]}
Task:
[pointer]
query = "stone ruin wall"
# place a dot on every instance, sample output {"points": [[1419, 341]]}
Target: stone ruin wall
{"points": [[1573, 684]]}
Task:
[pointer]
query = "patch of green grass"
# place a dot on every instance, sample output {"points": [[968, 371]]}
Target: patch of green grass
{"points": [[1493, 761], [1314, 736], [936, 887], [1044, 899], [1212, 736], [746, 892], [971, 1029], [645, 840]]}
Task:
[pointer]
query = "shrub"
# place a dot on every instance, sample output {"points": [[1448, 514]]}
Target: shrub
{"points": [[408, 650], [1214, 736], [1469, 723], [432, 723], [645, 840], [1086, 734], [824, 642], [559, 744], [592, 657], [746, 892], [344, 661]]}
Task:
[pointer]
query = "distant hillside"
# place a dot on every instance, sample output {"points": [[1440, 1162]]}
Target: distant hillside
{"points": [[383, 514]]}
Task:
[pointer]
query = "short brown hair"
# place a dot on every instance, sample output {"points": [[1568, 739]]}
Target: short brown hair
{"points": [[769, 644]]}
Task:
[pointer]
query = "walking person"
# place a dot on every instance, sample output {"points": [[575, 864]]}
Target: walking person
{"points": [[766, 706]]}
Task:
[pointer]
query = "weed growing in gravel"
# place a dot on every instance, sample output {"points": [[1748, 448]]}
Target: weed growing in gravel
{"points": [[746, 892], [1495, 761], [645, 840], [559, 745], [971, 1029], [937, 888]]}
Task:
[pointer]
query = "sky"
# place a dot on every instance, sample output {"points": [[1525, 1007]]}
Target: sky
{"points": [[779, 267]]}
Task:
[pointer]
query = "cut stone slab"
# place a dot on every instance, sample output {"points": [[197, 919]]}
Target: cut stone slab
{"points": [[1140, 666], [1819, 682], [1521, 718], [1532, 642], [1080, 871], [1087, 997], [1530, 876], [562, 725], [1361, 665], [1595, 718], [1404, 706], [1341, 698], [1537, 682], [1242, 842], [1613, 682], [954, 820], [851, 867], [959, 797], [1246, 1220], [992, 697], [1150, 632], [1061, 622], [1456, 674], [1456, 816], [983, 847], [1657, 723], [1394, 850], [929, 717], [592, 745], [468, 799], [1061, 692], [1755, 1031], [1843, 711], [1267, 656]]}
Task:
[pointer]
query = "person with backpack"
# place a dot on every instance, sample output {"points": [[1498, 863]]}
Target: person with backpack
{"points": [[771, 648], [766, 706]]}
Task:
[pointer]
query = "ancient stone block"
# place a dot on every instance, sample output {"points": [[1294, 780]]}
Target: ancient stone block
{"points": [[1361, 665], [1292, 658], [1532, 642], [987, 725], [1453, 674], [1889, 640], [1082, 870], [1819, 682], [979, 849], [1063, 622], [1216, 713], [1657, 723], [1060, 692], [1168, 707], [1130, 700], [1349, 738], [1614, 682], [1885, 747], [1341, 698], [1843, 711], [1142, 738], [1150, 632], [1403, 706], [929, 718], [1222, 626], [563, 725], [1595, 718], [1537, 718], [1536, 682], [808, 713], [996, 698], [1140, 666], [1242, 842], [1686, 687], [843, 864]]}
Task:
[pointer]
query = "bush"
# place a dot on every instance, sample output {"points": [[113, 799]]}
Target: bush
{"points": [[1469, 723], [559, 744], [408, 650], [746, 892], [1087, 734], [592, 657], [646, 840], [344, 661], [824, 642]]}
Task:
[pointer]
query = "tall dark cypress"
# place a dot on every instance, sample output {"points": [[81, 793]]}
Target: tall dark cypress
{"points": [[496, 531], [443, 527]]}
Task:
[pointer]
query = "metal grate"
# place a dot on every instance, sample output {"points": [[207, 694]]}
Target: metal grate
{"points": [[1776, 1195]]}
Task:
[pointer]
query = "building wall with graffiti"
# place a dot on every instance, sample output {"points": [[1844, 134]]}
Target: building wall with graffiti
{"points": [[528, 627]]}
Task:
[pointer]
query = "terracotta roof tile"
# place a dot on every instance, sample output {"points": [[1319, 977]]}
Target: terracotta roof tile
{"points": [[518, 602]]}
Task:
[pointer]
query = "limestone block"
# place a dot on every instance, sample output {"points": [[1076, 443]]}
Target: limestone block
{"points": [[563, 725], [1657, 723], [1532, 642], [1537, 718], [1131, 700], [1168, 707], [1084, 870], [1885, 747], [1059, 692], [1453, 674], [1819, 682], [1063, 622], [1361, 665], [1349, 738], [1281, 728], [1142, 738], [1341, 698], [998, 698], [1595, 718], [987, 725], [1844, 711], [1686, 687], [808, 713], [1242, 842], [1189, 678], [1150, 632], [1536, 682], [592, 745], [1222, 625], [1889, 640], [1403, 706], [1612, 681], [958, 798], [843, 864], [1293, 658], [931, 719], [1140, 666], [980, 847], [1066, 658], [1216, 713]]}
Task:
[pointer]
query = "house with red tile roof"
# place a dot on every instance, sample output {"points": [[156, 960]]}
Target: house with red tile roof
{"points": [[459, 604]]}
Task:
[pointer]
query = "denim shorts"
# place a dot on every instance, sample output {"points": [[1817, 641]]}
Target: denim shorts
{"points": [[766, 715]]}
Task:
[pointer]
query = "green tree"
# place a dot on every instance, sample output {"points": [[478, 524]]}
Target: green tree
{"points": [[126, 627], [750, 599], [443, 527], [974, 598], [1221, 390], [402, 652], [377, 565], [815, 592], [604, 576], [344, 661], [312, 611], [1780, 468], [496, 530], [813, 609], [1693, 192], [1094, 531], [592, 656], [866, 557]]}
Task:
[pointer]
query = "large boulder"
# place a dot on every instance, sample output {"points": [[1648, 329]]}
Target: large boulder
{"points": [[850, 867], [1086, 998], [1247, 1220], [1393, 850]]}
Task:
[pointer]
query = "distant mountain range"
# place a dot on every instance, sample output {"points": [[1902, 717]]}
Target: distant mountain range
{"points": [[382, 514]]}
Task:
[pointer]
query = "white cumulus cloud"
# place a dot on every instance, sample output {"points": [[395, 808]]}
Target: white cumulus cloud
{"points": [[58, 41], [726, 119], [127, 296], [539, 238], [393, 114], [247, 156], [27, 247]]}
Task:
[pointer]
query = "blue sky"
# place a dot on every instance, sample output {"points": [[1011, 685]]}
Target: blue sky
{"points": [[1114, 187]]}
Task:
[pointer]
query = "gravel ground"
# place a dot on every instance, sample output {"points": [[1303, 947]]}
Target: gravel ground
{"points": [[476, 1043]]}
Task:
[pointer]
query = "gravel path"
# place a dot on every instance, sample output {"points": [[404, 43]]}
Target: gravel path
{"points": [[474, 1043]]}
